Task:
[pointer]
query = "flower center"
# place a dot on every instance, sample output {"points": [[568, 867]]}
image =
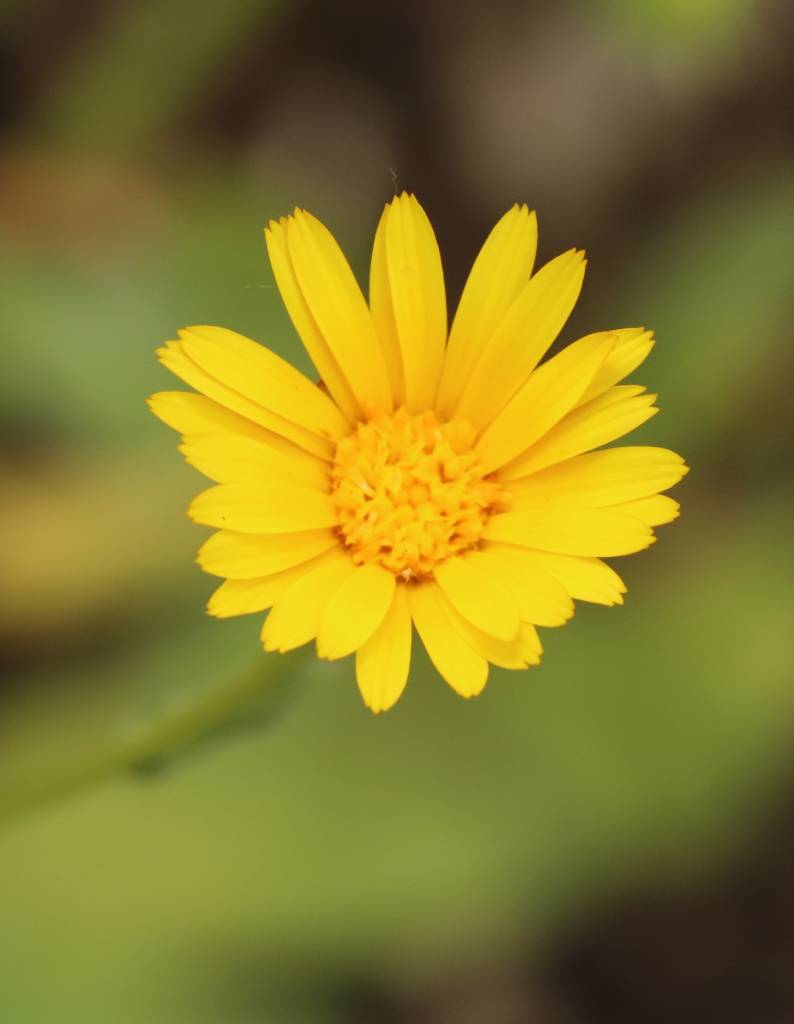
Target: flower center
{"points": [[408, 492]]}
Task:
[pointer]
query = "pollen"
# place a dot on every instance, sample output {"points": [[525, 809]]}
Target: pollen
{"points": [[409, 493]]}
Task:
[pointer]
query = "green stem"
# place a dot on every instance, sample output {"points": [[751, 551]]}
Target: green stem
{"points": [[165, 734]]}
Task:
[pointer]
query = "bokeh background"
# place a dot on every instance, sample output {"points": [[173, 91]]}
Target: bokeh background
{"points": [[195, 832]]}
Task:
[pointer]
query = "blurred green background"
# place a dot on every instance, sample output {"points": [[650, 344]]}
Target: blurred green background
{"points": [[192, 831]]}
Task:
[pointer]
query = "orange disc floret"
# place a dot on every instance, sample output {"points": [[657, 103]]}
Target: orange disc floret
{"points": [[409, 492]]}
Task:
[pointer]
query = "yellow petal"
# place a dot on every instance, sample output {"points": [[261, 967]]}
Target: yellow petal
{"points": [[478, 596], [632, 345], [196, 414], [529, 645], [174, 357], [218, 442], [608, 477], [416, 284], [599, 421], [304, 323], [245, 556], [504, 653], [585, 579], [260, 375], [522, 338], [355, 611], [382, 309], [551, 391], [241, 597], [339, 310], [499, 273], [295, 618], [382, 663], [266, 507], [571, 530], [456, 662], [653, 511], [234, 459], [541, 599]]}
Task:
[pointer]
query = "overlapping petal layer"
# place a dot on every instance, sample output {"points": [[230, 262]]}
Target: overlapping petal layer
{"points": [[500, 271], [382, 663], [408, 302]]}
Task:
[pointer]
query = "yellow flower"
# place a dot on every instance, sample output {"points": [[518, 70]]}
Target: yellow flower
{"points": [[441, 479]]}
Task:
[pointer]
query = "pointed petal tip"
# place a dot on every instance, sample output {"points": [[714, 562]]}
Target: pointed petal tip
{"points": [[292, 222], [329, 655], [277, 227], [192, 511], [300, 215], [522, 212], [377, 707], [323, 652], [264, 638], [390, 204]]}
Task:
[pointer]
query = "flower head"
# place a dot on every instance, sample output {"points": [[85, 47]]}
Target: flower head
{"points": [[442, 480]]}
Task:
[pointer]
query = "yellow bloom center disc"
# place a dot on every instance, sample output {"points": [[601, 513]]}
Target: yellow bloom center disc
{"points": [[409, 493]]}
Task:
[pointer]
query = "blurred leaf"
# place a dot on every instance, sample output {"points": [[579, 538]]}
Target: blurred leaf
{"points": [[135, 72], [668, 30], [155, 707], [716, 287], [110, 543], [83, 329], [649, 743]]}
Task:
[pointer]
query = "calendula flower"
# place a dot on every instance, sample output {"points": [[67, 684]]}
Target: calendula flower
{"points": [[441, 479]]}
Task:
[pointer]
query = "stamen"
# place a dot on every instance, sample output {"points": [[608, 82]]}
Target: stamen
{"points": [[409, 493]]}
